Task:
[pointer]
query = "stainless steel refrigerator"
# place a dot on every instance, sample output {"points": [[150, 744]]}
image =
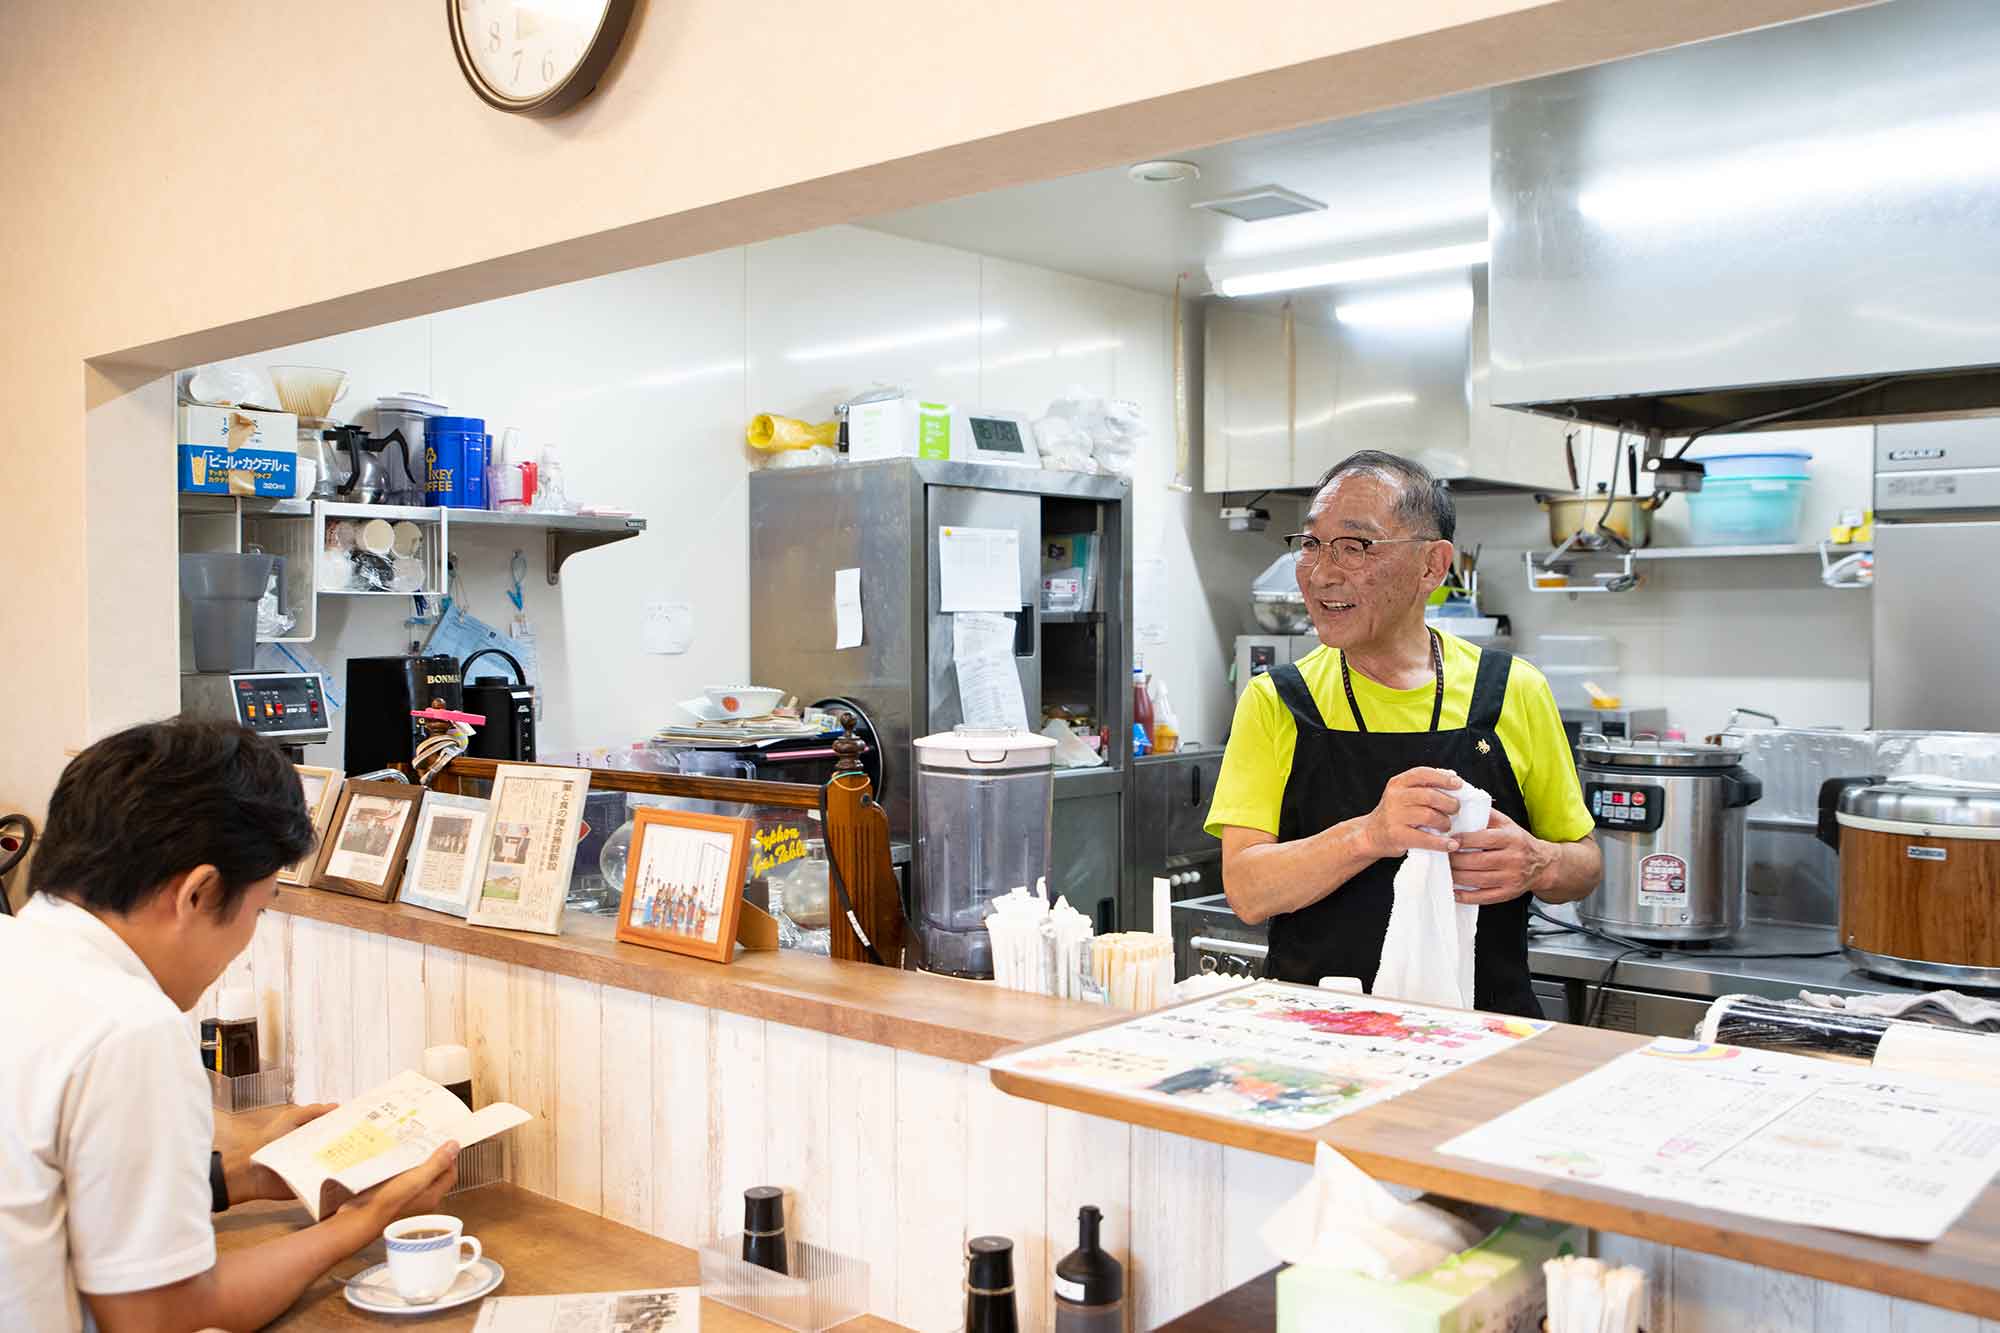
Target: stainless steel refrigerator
{"points": [[883, 519], [1936, 604]]}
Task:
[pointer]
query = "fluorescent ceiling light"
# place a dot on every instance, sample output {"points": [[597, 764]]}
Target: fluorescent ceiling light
{"points": [[891, 342], [1398, 265], [1425, 309]]}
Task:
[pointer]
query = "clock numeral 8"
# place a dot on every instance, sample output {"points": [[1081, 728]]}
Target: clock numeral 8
{"points": [[493, 35]]}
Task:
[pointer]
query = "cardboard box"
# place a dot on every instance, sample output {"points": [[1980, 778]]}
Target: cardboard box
{"points": [[1494, 1287], [898, 428], [231, 451]]}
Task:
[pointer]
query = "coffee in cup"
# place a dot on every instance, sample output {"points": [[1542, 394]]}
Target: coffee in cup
{"points": [[426, 1255]]}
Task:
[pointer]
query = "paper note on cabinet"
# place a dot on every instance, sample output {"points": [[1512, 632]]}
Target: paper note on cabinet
{"points": [[846, 608], [979, 569], [989, 686], [1149, 601]]}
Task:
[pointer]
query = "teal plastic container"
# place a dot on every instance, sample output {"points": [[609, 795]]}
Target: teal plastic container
{"points": [[1747, 511]]}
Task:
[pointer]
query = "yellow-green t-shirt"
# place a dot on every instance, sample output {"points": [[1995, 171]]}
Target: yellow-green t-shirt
{"points": [[1251, 789]]}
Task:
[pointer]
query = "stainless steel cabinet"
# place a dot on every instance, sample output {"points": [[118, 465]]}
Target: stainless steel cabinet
{"points": [[1164, 835]]}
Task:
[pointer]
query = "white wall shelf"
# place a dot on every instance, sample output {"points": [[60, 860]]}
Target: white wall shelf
{"points": [[1728, 552], [567, 534]]}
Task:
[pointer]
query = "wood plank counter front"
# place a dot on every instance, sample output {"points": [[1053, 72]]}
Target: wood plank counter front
{"points": [[907, 1011], [1397, 1141]]}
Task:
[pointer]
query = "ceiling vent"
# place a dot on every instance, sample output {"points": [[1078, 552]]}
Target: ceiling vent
{"points": [[1262, 204]]}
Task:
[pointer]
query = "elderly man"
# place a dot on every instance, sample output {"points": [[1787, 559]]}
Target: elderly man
{"points": [[1343, 761]]}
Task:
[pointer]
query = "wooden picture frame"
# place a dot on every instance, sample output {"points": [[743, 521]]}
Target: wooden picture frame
{"points": [[684, 883], [322, 788], [530, 847], [364, 850], [448, 827]]}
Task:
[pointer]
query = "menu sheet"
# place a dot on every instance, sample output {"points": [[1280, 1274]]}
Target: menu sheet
{"points": [[1761, 1133], [1280, 1056], [658, 1310]]}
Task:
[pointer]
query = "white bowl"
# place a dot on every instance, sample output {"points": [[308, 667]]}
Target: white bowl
{"points": [[743, 700]]}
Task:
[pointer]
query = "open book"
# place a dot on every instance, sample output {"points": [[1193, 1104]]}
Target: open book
{"points": [[383, 1133]]}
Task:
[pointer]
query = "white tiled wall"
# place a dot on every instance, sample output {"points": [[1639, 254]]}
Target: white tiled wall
{"points": [[646, 380], [1704, 636]]}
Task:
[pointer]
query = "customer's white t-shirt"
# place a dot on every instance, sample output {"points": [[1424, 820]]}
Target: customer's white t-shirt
{"points": [[105, 1125]]}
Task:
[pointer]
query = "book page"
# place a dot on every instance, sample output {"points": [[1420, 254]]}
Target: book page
{"points": [[383, 1133]]}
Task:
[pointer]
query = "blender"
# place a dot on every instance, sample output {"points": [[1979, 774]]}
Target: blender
{"points": [[984, 797]]}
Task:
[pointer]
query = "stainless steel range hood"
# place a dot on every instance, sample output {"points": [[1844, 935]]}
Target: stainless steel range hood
{"points": [[1752, 224]]}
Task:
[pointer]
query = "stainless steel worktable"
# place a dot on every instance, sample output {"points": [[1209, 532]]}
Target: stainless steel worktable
{"points": [[1711, 972]]}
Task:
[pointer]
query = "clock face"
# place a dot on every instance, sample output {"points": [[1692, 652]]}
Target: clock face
{"points": [[524, 50]]}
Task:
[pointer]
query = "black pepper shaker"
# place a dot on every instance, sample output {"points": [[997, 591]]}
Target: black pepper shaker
{"points": [[764, 1227], [989, 1286]]}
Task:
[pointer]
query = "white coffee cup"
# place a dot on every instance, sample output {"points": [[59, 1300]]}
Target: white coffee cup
{"points": [[423, 1267]]}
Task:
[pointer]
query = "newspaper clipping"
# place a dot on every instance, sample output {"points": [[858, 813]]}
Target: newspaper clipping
{"points": [[531, 847]]}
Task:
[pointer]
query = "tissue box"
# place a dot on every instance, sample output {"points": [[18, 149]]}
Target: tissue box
{"points": [[231, 451], [1494, 1287], [898, 428]]}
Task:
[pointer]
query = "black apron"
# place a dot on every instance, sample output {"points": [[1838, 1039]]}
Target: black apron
{"points": [[1340, 775]]}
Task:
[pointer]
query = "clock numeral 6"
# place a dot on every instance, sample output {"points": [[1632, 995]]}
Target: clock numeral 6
{"points": [[548, 68]]}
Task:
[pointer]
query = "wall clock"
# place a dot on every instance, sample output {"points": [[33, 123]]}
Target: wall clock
{"points": [[535, 57]]}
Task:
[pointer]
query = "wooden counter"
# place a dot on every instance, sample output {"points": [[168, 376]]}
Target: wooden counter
{"points": [[1397, 1141], [965, 1021], [547, 1249]]}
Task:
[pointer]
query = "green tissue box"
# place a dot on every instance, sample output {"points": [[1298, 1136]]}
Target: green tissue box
{"points": [[1494, 1287]]}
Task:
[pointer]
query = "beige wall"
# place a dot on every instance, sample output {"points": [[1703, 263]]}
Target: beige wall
{"points": [[189, 182]]}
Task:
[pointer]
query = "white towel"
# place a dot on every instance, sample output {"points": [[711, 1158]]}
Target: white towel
{"points": [[1427, 952]]}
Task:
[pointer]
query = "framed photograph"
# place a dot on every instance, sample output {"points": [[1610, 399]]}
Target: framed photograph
{"points": [[684, 883], [322, 788], [444, 852], [364, 853], [529, 848]]}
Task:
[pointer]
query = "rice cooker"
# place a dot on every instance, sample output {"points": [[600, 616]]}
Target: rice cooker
{"points": [[1670, 820], [1919, 877]]}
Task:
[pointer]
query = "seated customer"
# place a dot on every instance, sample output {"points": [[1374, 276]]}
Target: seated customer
{"points": [[162, 847]]}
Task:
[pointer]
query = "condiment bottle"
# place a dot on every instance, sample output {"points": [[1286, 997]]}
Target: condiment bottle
{"points": [[989, 1286], [1090, 1284], [236, 1032], [1142, 703], [451, 1066], [764, 1227]]}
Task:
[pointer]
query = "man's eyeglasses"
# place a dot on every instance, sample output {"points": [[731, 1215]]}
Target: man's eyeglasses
{"points": [[1350, 553]]}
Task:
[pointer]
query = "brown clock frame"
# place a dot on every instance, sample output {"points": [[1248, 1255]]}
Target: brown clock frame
{"points": [[582, 81]]}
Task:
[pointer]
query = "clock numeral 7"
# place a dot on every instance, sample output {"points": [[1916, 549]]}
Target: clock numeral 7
{"points": [[517, 64]]}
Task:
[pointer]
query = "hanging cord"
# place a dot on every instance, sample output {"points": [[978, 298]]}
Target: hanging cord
{"points": [[1183, 453], [1632, 948], [1659, 498]]}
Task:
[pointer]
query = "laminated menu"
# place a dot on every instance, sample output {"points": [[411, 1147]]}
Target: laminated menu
{"points": [[654, 1311], [382, 1133], [1761, 1133], [1286, 1057]]}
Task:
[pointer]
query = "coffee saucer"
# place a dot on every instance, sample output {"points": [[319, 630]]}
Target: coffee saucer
{"points": [[374, 1291]]}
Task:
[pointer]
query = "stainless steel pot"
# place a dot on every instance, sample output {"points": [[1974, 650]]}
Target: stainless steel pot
{"points": [[1670, 820], [1276, 601]]}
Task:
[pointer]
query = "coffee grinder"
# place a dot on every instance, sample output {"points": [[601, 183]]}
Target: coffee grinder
{"points": [[382, 692]]}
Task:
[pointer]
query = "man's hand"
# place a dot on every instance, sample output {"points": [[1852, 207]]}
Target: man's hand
{"points": [[245, 1179], [417, 1191], [1500, 862], [1414, 807]]}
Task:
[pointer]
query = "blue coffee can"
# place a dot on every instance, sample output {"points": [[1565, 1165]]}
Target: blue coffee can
{"points": [[455, 449]]}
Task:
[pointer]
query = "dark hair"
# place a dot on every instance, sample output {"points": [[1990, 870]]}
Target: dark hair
{"points": [[1424, 504], [155, 801]]}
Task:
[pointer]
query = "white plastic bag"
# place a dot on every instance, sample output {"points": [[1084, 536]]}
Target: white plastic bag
{"points": [[1427, 951], [1064, 445]]}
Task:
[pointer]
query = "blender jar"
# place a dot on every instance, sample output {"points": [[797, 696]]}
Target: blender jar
{"points": [[984, 798]]}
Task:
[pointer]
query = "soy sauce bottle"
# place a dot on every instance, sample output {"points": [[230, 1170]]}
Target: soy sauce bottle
{"points": [[1090, 1284], [989, 1286], [764, 1227]]}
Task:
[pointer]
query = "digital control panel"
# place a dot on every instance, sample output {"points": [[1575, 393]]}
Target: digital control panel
{"points": [[279, 704], [1630, 809]]}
